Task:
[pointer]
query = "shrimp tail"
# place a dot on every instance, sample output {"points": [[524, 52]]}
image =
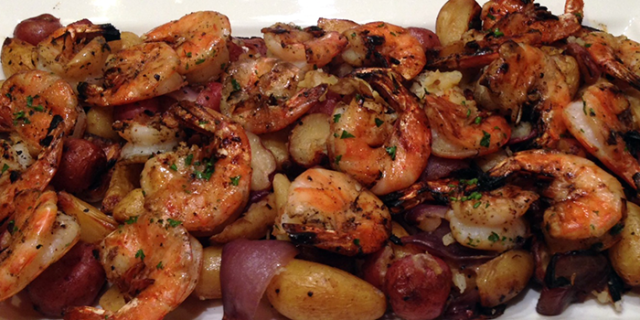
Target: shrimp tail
{"points": [[622, 72]]}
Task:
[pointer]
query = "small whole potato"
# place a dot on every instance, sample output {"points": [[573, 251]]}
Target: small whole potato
{"points": [[36, 29], [306, 290], [74, 280], [502, 278], [208, 286], [418, 286], [625, 255], [82, 163]]}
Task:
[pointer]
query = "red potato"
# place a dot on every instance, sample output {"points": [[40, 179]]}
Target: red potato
{"points": [[418, 286], [210, 96], [81, 164], [36, 29], [427, 38], [131, 110], [75, 280]]}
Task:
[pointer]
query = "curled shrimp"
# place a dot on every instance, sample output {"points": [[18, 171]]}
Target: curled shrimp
{"points": [[381, 44], [154, 262], [205, 188], [312, 46], [585, 201], [383, 145], [491, 220], [262, 94], [597, 122], [33, 238], [200, 40], [137, 73], [77, 51], [33, 104], [332, 211]]}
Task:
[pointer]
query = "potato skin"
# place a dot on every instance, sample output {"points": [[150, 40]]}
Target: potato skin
{"points": [[625, 255], [418, 286], [308, 290], [502, 278], [74, 280], [82, 162]]}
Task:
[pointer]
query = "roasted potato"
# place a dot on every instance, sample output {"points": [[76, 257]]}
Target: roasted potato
{"points": [[281, 191], [263, 164], [81, 164], [208, 286], [502, 278], [455, 18], [253, 225], [74, 280], [94, 225], [17, 55], [99, 120], [625, 255], [276, 142], [308, 140], [125, 178], [132, 205], [308, 290]]}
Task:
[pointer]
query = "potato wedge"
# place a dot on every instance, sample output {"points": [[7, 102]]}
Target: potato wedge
{"points": [[308, 140], [309, 290], [455, 18], [263, 164], [126, 177], [502, 278], [208, 286], [254, 225], [17, 55], [276, 142], [112, 300], [625, 255], [132, 205], [94, 224]]}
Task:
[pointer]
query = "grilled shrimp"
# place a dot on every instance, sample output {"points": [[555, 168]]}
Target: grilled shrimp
{"points": [[491, 220], [204, 187], [332, 211], [147, 136], [154, 262], [200, 40], [381, 44], [137, 73], [311, 46], [525, 74], [383, 145], [597, 121], [33, 238], [78, 51], [262, 94], [616, 56], [33, 103], [585, 201]]}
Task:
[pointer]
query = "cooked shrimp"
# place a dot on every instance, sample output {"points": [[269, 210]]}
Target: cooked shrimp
{"points": [[33, 238], [138, 73], [154, 262], [585, 201], [200, 40], [148, 135], [597, 122], [204, 187], [311, 46], [78, 51], [381, 44], [33, 103], [491, 220], [383, 145], [332, 211], [527, 75], [616, 56], [262, 94]]}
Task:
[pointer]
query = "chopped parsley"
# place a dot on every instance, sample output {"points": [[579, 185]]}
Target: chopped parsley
{"points": [[140, 254], [336, 117], [486, 139], [378, 122], [391, 151], [5, 167], [131, 220], [235, 180], [478, 120], [174, 223], [236, 86], [494, 237], [497, 33], [346, 135], [338, 158], [159, 266], [173, 167], [188, 159]]}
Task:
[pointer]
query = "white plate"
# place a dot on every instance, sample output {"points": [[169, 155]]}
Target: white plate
{"points": [[247, 18]]}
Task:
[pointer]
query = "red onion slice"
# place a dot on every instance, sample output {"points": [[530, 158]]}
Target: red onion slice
{"points": [[438, 168], [246, 270]]}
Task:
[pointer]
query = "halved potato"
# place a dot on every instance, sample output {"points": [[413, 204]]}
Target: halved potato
{"points": [[455, 18], [94, 225], [308, 140], [263, 164]]}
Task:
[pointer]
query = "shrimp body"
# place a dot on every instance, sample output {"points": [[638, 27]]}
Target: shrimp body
{"points": [[262, 94], [204, 187], [200, 40], [33, 104], [616, 56], [596, 122], [586, 201], [311, 46], [33, 238], [332, 211], [137, 73], [154, 262], [386, 148], [491, 220], [381, 44]]}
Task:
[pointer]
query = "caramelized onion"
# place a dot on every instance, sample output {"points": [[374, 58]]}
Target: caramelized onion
{"points": [[247, 268], [438, 168]]}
